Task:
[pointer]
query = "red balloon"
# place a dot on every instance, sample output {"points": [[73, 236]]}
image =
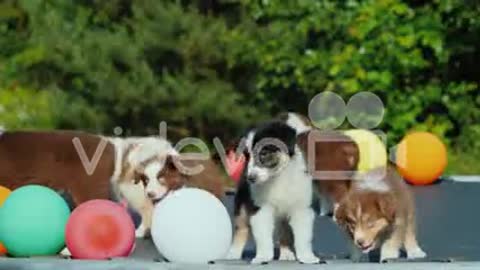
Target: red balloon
{"points": [[235, 165], [100, 229]]}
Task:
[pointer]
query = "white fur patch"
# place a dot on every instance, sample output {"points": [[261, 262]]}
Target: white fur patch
{"points": [[286, 254], [149, 147], [155, 185], [133, 193], [262, 224], [301, 222], [294, 121], [261, 174], [249, 141], [287, 191], [373, 180], [65, 252], [119, 145]]}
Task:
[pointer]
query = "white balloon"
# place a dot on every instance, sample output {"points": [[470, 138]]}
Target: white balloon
{"points": [[191, 226]]}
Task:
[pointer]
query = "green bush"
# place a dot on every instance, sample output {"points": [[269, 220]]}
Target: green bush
{"points": [[156, 64], [23, 108], [388, 47]]}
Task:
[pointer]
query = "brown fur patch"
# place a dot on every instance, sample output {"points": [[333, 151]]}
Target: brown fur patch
{"points": [[50, 159], [127, 168], [332, 152]]}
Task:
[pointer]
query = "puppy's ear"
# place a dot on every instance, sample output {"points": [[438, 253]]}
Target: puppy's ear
{"points": [[302, 141], [171, 173], [387, 206], [339, 213], [336, 212], [131, 155], [137, 177], [170, 162], [128, 173]]}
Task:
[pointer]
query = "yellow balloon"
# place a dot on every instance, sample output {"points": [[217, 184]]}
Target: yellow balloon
{"points": [[373, 153]]}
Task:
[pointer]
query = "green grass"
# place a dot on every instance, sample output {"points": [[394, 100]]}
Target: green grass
{"points": [[463, 162]]}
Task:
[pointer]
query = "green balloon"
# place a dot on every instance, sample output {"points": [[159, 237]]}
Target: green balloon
{"points": [[32, 222]]}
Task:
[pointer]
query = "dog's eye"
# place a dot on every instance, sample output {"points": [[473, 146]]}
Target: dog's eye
{"points": [[350, 227], [349, 220], [263, 157], [268, 159]]}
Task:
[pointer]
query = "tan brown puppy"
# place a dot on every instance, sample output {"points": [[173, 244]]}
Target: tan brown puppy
{"points": [[379, 212]]}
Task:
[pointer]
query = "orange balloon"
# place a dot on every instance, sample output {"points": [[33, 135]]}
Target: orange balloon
{"points": [[421, 158], [4, 192], [3, 250]]}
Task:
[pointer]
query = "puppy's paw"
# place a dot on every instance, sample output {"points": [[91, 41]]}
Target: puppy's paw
{"points": [[262, 258], [65, 252], [286, 254], [324, 212], [308, 258], [416, 253], [234, 254], [141, 232], [388, 254]]}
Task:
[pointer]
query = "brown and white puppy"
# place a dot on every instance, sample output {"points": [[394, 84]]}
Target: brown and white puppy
{"points": [[379, 212], [132, 153], [82, 165], [176, 173], [158, 175]]}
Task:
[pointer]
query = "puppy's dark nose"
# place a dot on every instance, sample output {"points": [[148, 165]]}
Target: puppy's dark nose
{"points": [[251, 178], [151, 195]]}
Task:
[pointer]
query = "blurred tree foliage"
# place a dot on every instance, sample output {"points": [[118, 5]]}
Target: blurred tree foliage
{"points": [[128, 64], [23, 108], [211, 67]]}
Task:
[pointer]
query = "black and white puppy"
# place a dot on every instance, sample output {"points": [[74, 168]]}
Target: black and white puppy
{"points": [[275, 188]]}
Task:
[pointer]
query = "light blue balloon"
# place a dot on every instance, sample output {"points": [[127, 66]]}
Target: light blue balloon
{"points": [[32, 222]]}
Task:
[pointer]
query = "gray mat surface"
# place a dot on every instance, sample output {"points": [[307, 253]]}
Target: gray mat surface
{"points": [[448, 226]]}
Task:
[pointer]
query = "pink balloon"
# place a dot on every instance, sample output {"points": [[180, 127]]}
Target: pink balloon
{"points": [[235, 165], [100, 229]]}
